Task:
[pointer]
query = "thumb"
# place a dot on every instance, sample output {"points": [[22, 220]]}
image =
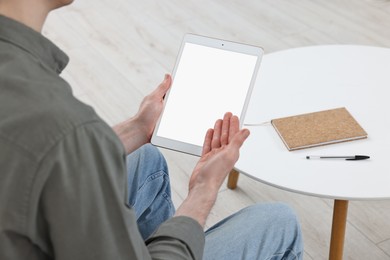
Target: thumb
{"points": [[164, 86]]}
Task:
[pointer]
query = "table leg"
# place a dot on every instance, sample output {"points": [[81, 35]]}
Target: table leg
{"points": [[233, 179], [340, 212]]}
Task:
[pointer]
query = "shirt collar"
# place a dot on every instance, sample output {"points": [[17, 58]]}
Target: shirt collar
{"points": [[33, 42]]}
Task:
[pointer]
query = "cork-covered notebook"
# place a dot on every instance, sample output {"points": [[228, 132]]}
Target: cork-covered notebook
{"points": [[318, 128]]}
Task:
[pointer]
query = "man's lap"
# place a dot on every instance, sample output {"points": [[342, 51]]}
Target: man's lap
{"points": [[261, 231]]}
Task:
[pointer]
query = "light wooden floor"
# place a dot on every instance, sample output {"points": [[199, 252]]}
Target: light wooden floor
{"points": [[121, 49]]}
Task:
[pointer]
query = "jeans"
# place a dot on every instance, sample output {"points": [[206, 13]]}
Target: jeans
{"points": [[263, 231]]}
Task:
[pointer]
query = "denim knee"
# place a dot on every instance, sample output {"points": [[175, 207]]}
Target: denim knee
{"points": [[150, 152], [260, 231], [275, 212], [263, 216], [147, 157]]}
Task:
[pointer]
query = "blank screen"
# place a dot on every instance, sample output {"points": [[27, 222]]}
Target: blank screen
{"points": [[208, 82]]}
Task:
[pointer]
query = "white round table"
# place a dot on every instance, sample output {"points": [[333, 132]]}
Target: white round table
{"points": [[310, 79]]}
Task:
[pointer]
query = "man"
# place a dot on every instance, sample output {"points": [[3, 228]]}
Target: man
{"points": [[71, 189]]}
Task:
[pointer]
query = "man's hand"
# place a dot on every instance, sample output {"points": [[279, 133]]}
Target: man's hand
{"points": [[138, 130], [152, 106], [220, 153]]}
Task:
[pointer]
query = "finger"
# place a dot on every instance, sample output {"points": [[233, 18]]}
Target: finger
{"points": [[234, 127], [207, 141], [225, 128], [216, 141]]}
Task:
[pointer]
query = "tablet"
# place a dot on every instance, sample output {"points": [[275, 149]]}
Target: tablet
{"points": [[211, 77]]}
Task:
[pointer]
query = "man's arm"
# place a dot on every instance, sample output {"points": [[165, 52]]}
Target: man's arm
{"points": [[220, 152], [83, 206], [138, 130]]}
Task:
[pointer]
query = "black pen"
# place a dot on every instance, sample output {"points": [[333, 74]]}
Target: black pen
{"points": [[348, 158]]}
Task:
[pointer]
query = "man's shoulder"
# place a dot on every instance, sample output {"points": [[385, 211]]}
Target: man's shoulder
{"points": [[37, 122], [37, 107]]}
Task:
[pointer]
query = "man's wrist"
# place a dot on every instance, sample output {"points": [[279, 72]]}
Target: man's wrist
{"points": [[197, 205], [131, 134]]}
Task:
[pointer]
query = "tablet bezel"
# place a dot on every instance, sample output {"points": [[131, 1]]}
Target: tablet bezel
{"points": [[214, 43]]}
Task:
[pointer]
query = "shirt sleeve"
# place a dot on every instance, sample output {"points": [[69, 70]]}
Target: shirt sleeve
{"points": [[183, 229], [84, 210]]}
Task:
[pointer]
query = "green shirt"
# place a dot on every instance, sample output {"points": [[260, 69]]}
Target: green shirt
{"points": [[62, 169]]}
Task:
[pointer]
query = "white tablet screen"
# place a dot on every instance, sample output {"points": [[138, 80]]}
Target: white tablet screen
{"points": [[208, 82]]}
